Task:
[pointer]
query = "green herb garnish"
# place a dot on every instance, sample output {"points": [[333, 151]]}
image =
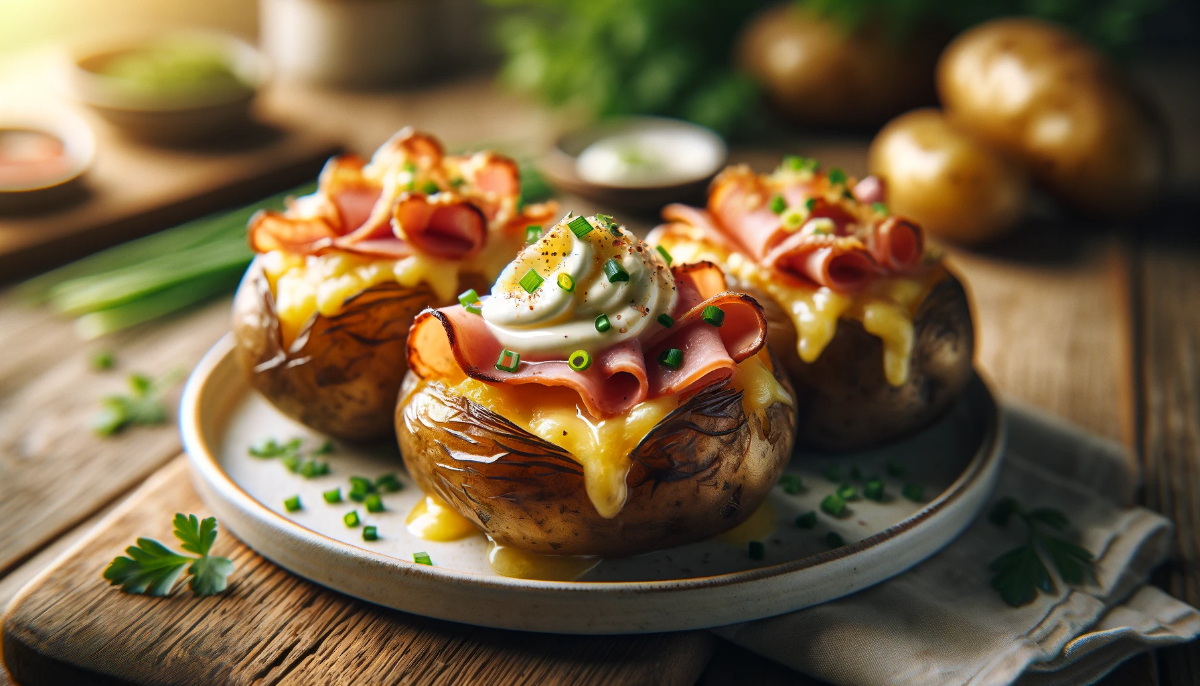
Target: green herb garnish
{"points": [[370, 533], [757, 550], [531, 281], [333, 497], [579, 360], [671, 358], [388, 483], [833, 504], [810, 204], [614, 271], [533, 233], [324, 449], [913, 492], [847, 492], [666, 320], [351, 519], [713, 315], [665, 255], [602, 323], [777, 204], [422, 559], [373, 503], [580, 226], [806, 520], [1020, 572], [152, 569], [469, 299], [292, 504], [791, 484], [837, 176], [566, 282], [508, 361], [873, 490], [430, 188], [103, 361], [360, 488], [880, 208], [143, 405]]}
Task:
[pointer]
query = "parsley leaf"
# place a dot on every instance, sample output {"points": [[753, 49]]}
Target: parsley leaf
{"points": [[1020, 573], [151, 568], [143, 405]]}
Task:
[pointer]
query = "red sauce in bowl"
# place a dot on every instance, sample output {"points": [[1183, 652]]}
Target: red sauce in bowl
{"points": [[30, 158]]}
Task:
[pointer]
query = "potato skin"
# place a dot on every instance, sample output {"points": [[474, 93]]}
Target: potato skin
{"points": [[814, 73], [1042, 95], [952, 185], [845, 402], [703, 470], [342, 375]]}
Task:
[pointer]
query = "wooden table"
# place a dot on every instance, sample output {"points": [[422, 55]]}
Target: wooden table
{"points": [[1098, 325]]}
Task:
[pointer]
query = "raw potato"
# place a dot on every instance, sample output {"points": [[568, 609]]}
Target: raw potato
{"points": [[703, 470], [813, 72], [845, 403], [342, 375], [1038, 93], [952, 185]]}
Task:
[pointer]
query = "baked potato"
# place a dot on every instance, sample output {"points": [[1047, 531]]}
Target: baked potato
{"points": [[816, 72], [954, 186], [846, 402], [874, 332], [702, 470], [1042, 95]]}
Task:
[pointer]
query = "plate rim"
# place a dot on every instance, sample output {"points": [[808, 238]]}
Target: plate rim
{"points": [[205, 466]]}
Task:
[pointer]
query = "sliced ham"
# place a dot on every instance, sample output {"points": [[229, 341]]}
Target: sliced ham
{"points": [[454, 229], [449, 342], [899, 244], [269, 230]]}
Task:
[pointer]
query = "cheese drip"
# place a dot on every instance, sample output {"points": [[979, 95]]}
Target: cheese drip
{"points": [[321, 284], [602, 447], [885, 308]]}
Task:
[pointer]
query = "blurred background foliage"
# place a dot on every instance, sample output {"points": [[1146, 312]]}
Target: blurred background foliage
{"points": [[668, 57]]}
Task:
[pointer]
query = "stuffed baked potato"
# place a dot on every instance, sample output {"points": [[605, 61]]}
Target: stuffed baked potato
{"points": [[667, 424], [872, 329], [322, 315]]}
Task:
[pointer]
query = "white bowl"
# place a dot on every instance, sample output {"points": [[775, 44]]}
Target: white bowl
{"points": [[79, 146]]}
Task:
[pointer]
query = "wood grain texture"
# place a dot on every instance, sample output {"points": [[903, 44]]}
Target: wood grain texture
{"points": [[1170, 374], [54, 471], [272, 627]]}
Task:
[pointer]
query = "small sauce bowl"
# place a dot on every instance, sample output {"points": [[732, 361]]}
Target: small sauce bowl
{"points": [[42, 158], [636, 163]]}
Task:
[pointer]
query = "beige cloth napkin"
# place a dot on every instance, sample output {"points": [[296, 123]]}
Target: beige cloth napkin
{"points": [[942, 623]]}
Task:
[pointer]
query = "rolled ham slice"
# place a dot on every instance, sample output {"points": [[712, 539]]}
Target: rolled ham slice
{"points": [[453, 229], [448, 342], [899, 244]]}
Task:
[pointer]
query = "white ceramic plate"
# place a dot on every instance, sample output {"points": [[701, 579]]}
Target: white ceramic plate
{"points": [[695, 586]]}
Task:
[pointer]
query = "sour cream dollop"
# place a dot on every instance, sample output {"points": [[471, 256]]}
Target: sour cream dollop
{"points": [[556, 319]]}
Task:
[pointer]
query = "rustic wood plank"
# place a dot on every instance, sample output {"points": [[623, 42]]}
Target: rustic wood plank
{"points": [[272, 627], [1170, 373], [54, 471]]}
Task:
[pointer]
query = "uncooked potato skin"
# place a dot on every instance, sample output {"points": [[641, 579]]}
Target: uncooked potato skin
{"points": [[814, 73], [1040, 94], [845, 402], [343, 374], [952, 185], [703, 470]]}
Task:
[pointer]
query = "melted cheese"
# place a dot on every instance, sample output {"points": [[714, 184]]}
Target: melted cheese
{"points": [[522, 564], [434, 520], [885, 308], [321, 284], [602, 447]]}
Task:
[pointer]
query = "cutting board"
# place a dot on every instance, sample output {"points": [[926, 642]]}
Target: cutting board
{"points": [[134, 189], [71, 626]]}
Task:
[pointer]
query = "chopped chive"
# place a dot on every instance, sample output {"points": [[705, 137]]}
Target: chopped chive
{"points": [[665, 255], [580, 226], [602, 323], [794, 162], [833, 473], [713, 315], [913, 492], [509, 361], [847, 492], [422, 559], [474, 308], [362, 483], [370, 533], [806, 520], [429, 188], [873, 490], [605, 220], [834, 540], [373, 503], [793, 218], [880, 208], [333, 497], [388, 483], [671, 357], [837, 176], [467, 297], [895, 469], [102, 360], [579, 360], [531, 281], [457, 181], [324, 449], [810, 204], [777, 204], [409, 167], [566, 282], [533, 232], [666, 320], [757, 550], [292, 463], [292, 504], [312, 468], [833, 504], [614, 271], [791, 484], [351, 519]]}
